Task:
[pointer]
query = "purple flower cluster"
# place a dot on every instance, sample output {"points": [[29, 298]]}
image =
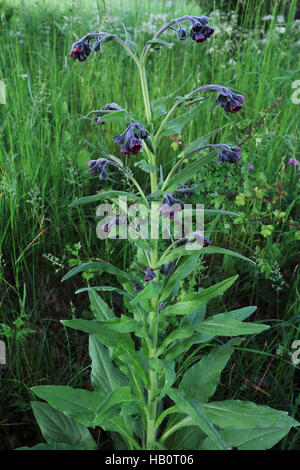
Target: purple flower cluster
{"points": [[232, 155], [170, 206], [149, 274], [200, 30], [98, 167], [229, 101], [80, 51], [130, 140]]}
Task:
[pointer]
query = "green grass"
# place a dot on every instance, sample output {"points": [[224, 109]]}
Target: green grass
{"points": [[44, 148]]}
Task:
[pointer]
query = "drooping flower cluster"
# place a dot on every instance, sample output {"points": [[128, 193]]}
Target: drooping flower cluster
{"points": [[200, 30], [80, 50], [114, 221], [98, 167], [170, 206], [230, 155], [149, 274], [107, 107], [130, 140], [229, 101]]}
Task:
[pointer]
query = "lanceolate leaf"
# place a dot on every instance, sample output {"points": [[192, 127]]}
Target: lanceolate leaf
{"points": [[100, 308], [183, 269], [175, 126], [59, 428], [249, 439], [219, 325], [77, 403], [201, 380], [98, 266], [190, 171], [193, 301], [106, 195], [120, 325], [194, 411], [104, 375], [246, 415]]}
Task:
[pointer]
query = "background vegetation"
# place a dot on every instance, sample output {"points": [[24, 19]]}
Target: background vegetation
{"points": [[44, 149]]}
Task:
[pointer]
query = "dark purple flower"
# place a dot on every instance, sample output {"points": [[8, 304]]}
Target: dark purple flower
{"points": [[169, 267], [80, 50], [98, 167], [200, 30], [200, 239], [130, 141], [137, 286], [162, 307], [149, 274], [114, 221], [231, 156], [229, 101], [170, 206]]}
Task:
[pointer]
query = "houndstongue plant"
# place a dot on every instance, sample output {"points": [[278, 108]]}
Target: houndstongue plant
{"points": [[150, 390]]}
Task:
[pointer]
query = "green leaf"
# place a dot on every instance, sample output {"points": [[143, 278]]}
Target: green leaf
{"points": [[175, 126], [100, 308], [152, 289], [184, 269], [104, 375], [193, 301], [111, 405], [249, 439], [189, 172], [58, 428], [106, 195], [184, 345], [194, 411], [98, 266], [246, 415], [77, 403], [201, 380], [181, 333], [114, 116], [219, 325], [52, 446], [209, 250], [123, 324], [160, 42], [103, 289]]}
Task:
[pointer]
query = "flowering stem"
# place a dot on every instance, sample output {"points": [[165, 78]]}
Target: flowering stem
{"points": [[152, 392]]}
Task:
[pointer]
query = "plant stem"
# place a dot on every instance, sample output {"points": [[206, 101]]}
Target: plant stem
{"points": [[152, 392]]}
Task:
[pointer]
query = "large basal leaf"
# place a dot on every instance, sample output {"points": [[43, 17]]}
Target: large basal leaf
{"points": [[247, 426], [115, 335], [111, 195], [193, 301], [201, 380], [98, 266], [104, 375], [194, 410], [77, 403], [58, 428], [249, 439]]}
